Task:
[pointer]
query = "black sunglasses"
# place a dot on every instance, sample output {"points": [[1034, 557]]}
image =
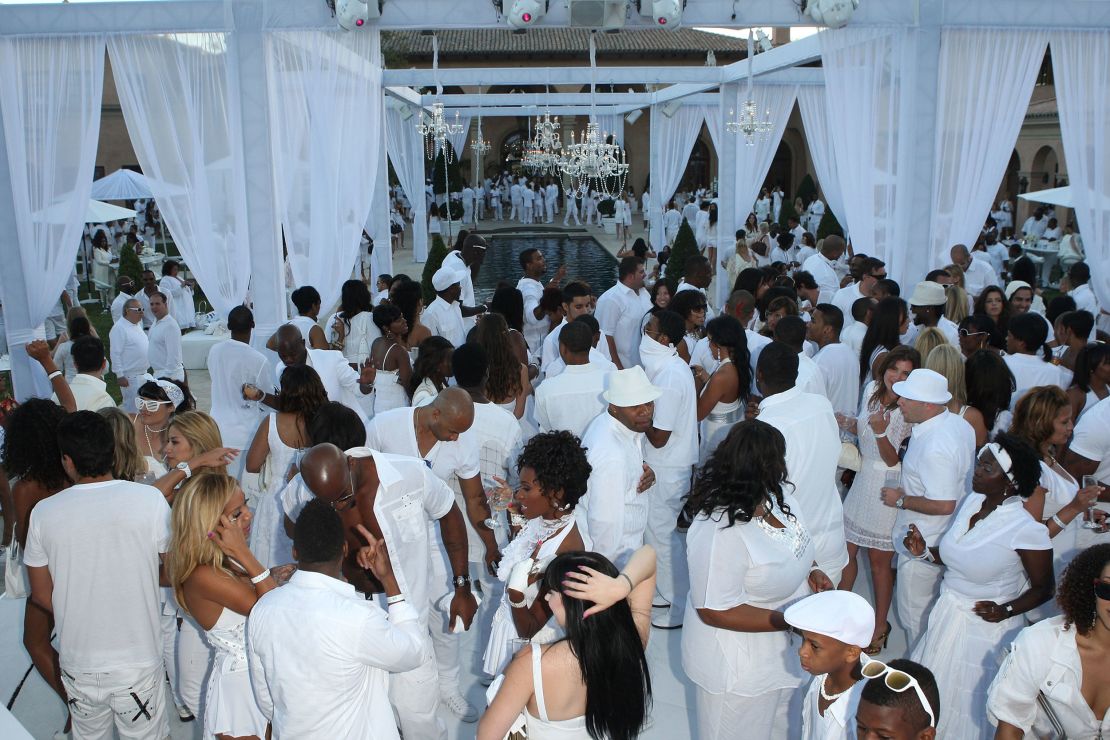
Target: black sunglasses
{"points": [[1102, 589]]}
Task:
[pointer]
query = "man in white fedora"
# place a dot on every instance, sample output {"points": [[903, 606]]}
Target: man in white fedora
{"points": [[934, 478], [613, 511], [927, 306]]}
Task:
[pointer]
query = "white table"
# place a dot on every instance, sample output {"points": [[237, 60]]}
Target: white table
{"points": [[195, 347], [1047, 253]]}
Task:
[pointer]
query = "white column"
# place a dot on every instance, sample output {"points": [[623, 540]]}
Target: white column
{"points": [[382, 260], [728, 220], [248, 80]]}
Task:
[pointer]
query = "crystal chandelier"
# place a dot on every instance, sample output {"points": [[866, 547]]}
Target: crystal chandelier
{"points": [[749, 123], [479, 146], [546, 145], [594, 164], [436, 131]]}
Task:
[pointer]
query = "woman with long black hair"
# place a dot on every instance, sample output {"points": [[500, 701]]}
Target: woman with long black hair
{"points": [[594, 683], [351, 329], [722, 390], [889, 321]]}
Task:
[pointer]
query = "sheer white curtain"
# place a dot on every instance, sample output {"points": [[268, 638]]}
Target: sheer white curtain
{"points": [[714, 122], [753, 162], [325, 101], [986, 78], [183, 118], [815, 118], [863, 79], [1083, 96], [51, 91], [612, 124], [672, 141], [406, 150]]}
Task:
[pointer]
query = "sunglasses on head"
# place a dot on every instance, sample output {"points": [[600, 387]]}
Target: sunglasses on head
{"points": [[1102, 589], [896, 680], [148, 404]]}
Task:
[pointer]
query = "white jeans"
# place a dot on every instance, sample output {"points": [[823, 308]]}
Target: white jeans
{"points": [[766, 716], [133, 699], [415, 699], [672, 576], [915, 592]]}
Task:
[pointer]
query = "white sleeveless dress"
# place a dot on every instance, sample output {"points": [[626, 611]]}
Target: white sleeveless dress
{"points": [[716, 426], [229, 705], [388, 391], [269, 542], [542, 728]]}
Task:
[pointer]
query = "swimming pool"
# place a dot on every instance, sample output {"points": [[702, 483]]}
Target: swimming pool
{"points": [[584, 258]]}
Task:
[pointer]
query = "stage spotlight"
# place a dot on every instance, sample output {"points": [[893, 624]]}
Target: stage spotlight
{"points": [[671, 107], [663, 13], [634, 116], [526, 13], [355, 14], [831, 13]]}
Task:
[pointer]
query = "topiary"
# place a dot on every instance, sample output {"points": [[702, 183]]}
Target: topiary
{"points": [[454, 176], [829, 225], [807, 190], [130, 265], [456, 210], [607, 207], [786, 213], [436, 255], [685, 246]]}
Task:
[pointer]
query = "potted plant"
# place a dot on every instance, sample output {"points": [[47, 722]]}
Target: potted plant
{"points": [[607, 208]]}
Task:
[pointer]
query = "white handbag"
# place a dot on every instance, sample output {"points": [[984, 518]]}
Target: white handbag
{"points": [[15, 574]]}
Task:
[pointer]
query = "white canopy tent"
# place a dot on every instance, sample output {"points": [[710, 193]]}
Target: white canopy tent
{"points": [[123, 184], [1056, 196], [245, 27]]}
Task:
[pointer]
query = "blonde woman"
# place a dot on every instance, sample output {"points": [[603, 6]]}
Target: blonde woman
{"points": [[217, 581], [738, 261], [959, 304], [128, 462], [193, 442], [929, 339], [949, 362]]}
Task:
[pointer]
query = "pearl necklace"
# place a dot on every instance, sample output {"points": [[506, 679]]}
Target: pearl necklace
{"points": [[149, 446], [831, 697]]}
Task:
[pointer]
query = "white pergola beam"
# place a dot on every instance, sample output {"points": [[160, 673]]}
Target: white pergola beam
{"points": [[404, 94]]}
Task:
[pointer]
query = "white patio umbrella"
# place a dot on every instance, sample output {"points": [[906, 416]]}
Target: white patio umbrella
{"points": [[121, 185], [95, 212], [1055, 196]]}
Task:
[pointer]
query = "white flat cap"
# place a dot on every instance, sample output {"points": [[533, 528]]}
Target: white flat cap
{"points": [[444, 278], [841, 615]]}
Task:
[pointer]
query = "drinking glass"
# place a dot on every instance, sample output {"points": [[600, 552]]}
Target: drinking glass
{"points": [[499, 497], [1089, 522]]}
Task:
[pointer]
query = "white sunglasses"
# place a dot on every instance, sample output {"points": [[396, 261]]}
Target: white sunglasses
{"points": [[896, 680], [148, 404]]}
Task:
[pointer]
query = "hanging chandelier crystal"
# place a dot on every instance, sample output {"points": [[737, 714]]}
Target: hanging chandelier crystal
{"points": [[594, 164], [436, 131], [480, 146], [749, 123], [546, 146]]}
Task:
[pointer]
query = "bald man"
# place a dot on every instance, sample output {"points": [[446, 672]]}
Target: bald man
{"points": [[437, 434], [822, 266], [397, 498], [978, 273], [340, 381]]}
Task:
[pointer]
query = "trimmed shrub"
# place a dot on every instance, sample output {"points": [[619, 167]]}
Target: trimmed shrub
{"points": [[436, 255], [685, 246], [829, 225], [130, 265]]}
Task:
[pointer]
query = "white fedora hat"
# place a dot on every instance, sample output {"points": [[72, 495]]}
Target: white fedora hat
{"points": [[630, 387], [927, 386], [928, 293]]}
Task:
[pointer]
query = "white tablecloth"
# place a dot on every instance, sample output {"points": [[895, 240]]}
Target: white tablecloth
{"points": [[195, 347]]}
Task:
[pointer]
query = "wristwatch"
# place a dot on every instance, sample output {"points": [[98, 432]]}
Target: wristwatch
{"points": [[461, 581], [901, 502], [184, 468]]}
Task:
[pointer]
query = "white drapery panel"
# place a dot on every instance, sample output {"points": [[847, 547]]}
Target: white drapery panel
{"points": [[1083, 96], [406, 150], [863, 80], [672, 141], [325, 118], [611, 124], [183, 118], [986, 77], [51, 91], [815, 118], [714, 116], [754, 162]]}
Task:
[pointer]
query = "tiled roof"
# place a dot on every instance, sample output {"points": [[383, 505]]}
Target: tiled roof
{"points": [[564, 42]]}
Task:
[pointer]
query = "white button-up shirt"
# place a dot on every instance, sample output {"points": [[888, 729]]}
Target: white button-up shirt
{"points": [[128, 349], [1044, 660], [812, 449], [840, 368], [571, 399], [535, 330], [165, 349], [979, 274], [89, 392], [445, 320], [620, 311], [844, 298], [612, 513], [231, 365], [320, 658], [822, 270], [936, 466], [833, 725], [676, 411]]}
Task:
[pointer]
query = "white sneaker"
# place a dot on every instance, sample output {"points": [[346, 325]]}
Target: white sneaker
{"points": [[459, 706]]}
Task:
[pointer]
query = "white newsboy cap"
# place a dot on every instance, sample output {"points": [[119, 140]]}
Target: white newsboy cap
{"points": [[927, 386], [928, 293], [444, 278], [841, 615], [630, 387]]}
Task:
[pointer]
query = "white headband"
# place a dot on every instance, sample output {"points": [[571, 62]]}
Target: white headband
{"points": [[1001, 456], [175, 394]]}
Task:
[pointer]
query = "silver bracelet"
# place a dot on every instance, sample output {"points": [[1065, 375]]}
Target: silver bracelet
{"points": [[1059, 522], [261, 577]]}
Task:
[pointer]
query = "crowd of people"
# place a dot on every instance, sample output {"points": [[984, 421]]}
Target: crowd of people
{"points": [[564, 473]]}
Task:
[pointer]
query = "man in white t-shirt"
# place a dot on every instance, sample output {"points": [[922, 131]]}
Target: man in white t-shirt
{"points": [[839, 364], [934, 478], [93, 554], [927, 306], [536, 324], [670, 449], [232, 365], [573, 398], [620, 312]]}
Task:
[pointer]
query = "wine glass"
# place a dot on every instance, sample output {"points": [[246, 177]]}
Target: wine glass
{"points": [[499, 497], [1089, 522]]}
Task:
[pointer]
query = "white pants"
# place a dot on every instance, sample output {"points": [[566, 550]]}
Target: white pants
{"points": [[572, 210], [187, 658], [445, 643], [129, 392], [515, 212], [915, 592], [468, 213], [132, 699], [527, 214], [497, 208], [550, 206], [414, 697], [672, 578], [480, 209], [767, 716]]}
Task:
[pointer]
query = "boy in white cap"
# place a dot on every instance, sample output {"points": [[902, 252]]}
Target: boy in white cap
{"points": [[443, 316], [835, 627]]}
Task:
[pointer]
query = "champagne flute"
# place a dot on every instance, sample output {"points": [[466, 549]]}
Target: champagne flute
{"points": [[1089, 522], [498, 501]]}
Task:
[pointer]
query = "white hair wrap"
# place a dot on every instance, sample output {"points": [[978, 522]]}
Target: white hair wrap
{"points": [[175, 394], [1001, 456]]}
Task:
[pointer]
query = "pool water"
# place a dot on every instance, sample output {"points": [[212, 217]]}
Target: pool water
{"points": [[584, 258]]}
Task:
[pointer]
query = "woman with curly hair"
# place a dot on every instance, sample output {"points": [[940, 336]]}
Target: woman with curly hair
{"points": [[277, 445], [217, 580], [553, 473], [998, 566], [430, 370], [692, 306], [33, 460], [750, 554], [1063, 663], [508, 385]]}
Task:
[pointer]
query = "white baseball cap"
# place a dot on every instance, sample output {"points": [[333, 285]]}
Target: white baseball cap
{"points": [[841, 615]]}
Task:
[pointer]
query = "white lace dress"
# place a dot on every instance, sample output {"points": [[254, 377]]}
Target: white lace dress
{"points": [[536, 533], [229, 705], [269, 542], [868, 522]]}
